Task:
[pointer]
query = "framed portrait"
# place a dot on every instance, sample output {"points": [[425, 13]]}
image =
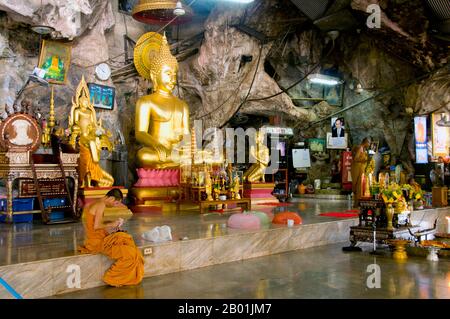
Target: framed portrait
{"points": [[337, 127], [126, 6], [333, 94], [339, 143], [20, 133], [102, 96], [55, 60], [373, 147], [317, 144], [440, 134]]}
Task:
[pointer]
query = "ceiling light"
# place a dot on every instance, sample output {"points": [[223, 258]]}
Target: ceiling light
{"points": [[42, 29], [179, 11], [324, 79]]}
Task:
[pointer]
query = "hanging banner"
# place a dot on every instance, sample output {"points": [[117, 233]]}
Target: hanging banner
{"points": [[420, 137], [441, 134]]}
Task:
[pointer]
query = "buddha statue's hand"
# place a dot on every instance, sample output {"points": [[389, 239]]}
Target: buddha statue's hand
{"points": [[162, 152]]}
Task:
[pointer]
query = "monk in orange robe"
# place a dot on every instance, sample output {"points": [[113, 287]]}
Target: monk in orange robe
{"points": [[359, 163], [110, 240]]}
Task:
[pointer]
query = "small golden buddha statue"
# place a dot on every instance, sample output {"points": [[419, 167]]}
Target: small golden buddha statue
{"points": [[208, 187], [161, 119], [236, 188], [45, 138], [91, 138], [261, 153]]}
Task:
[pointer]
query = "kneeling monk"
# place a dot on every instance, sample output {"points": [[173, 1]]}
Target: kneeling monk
{"points": [[110, 240]]}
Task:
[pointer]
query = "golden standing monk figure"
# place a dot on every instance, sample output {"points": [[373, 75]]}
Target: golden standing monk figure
{"points": [[161, 119], [359, 163], [261, 153], [91, 138]]}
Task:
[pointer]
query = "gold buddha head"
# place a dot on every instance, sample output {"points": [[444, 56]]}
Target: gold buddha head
{"points": [[154, 61], [84, 100], [163, 69]]}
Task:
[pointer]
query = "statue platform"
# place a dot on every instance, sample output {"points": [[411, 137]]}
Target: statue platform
{"points": [[88, 195], [260, 193], [154, 188]]}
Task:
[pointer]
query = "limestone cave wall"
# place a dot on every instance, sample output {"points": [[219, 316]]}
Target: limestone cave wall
{"points": [[234, 71]]}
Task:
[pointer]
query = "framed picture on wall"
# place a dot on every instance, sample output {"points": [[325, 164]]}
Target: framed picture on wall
{"points": [[333, 94], [373, 148], [54, 59], [440, 134], [337, 127], [338, 143], [102, 96], [317, 144]]}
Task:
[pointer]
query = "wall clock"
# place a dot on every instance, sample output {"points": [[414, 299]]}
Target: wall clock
{"points": [[103, 71]]}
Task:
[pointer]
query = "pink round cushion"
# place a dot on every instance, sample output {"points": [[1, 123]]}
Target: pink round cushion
{"points": [[281, 218], [244, 221]]}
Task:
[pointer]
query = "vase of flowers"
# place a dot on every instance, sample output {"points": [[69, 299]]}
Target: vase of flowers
{"points": [[394, 200]]}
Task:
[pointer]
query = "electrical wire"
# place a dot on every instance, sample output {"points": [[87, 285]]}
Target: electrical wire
{"points": [[250, 88], [381, 93], [156, 32], [297, 82]]}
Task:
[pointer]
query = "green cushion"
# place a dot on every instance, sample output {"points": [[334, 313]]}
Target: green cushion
{"points": [[263, 218]]}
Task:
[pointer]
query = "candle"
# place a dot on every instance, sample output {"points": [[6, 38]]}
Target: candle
{"points": [[448, 224], [370, 179]]}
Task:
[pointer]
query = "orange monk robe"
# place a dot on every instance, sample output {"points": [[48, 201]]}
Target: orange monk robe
{"points": [[359, 163], [128, 268], [94, 237], [87, 165]]}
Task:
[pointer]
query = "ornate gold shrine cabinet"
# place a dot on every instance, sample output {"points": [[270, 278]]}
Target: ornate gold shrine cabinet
{"points": [[20, 137]]}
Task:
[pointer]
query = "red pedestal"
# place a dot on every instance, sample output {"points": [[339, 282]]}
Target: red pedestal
{"points": [[260, 193]]}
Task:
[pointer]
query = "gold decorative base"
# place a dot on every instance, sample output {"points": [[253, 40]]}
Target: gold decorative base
{"points": [[153, 198], [399, 249]]}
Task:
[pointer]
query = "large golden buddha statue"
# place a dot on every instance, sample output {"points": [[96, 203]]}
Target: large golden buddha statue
{"points": [[162, 119], [91, 138]]}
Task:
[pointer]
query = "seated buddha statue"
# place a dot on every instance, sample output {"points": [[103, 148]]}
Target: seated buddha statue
{"points": [[260, 153], [162, 120], [90, 137]]}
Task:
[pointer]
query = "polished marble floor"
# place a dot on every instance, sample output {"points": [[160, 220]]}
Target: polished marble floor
{"points": [[34, 241], [321, 272]]}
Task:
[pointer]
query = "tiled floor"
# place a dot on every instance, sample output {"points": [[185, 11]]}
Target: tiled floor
{"points": [[322, 272], [31, 242]]}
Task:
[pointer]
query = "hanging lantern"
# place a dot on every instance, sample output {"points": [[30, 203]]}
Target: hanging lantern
{"points": [[161, 12]]}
